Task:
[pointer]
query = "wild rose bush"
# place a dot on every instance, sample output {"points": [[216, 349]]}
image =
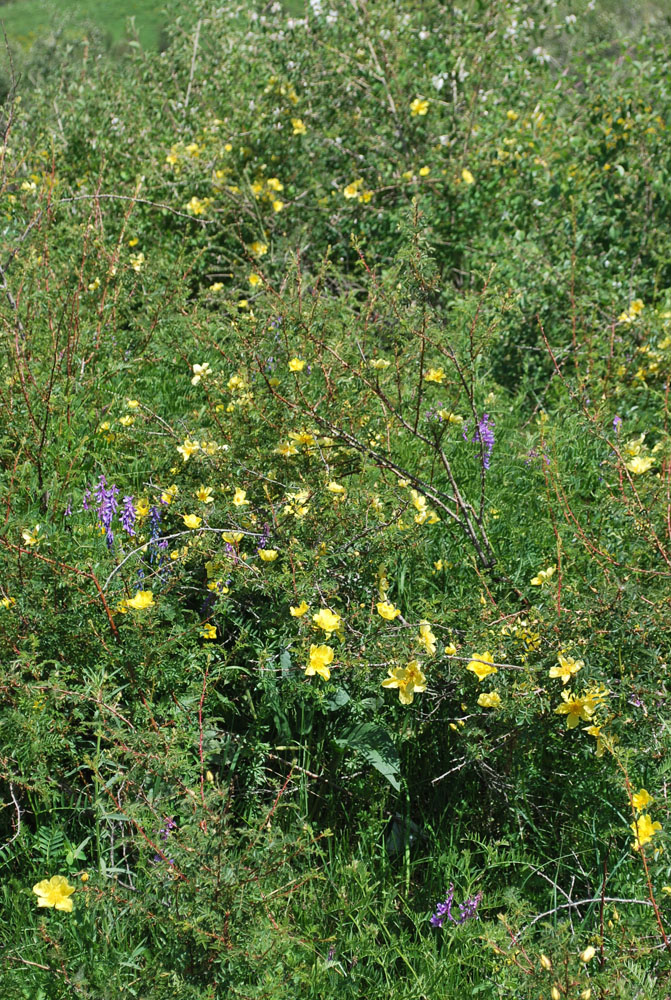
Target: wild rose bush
{"points": [[336, 542]]}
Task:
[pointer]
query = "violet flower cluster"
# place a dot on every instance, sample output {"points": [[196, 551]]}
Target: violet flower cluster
{"points": [[467, 909], [484, 435], [106, 497]]}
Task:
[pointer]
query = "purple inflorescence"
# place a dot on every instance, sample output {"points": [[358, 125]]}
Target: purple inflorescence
{"points": [[484, 435], [128, 515], [467, 910], [107, 507], [617, 421]]}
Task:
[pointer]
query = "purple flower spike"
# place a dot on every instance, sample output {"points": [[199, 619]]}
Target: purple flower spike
{"points": [[467, 909], [616, 423], [127, 516]]}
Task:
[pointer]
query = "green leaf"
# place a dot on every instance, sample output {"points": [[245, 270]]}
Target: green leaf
{"points": [[377, 747]]}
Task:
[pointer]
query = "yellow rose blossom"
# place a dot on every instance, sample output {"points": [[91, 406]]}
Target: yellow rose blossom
{"points": [[204, 494], [426, 638], [299, 610], [126, 420], [320, 657], [467, 177], [286, 450], [595, 731], [641, 799], [489, 699], [254, 279], [450, 649], [142, 600], [482, 665], [407, 679], [55, 892], [32, 537], [188, 449], [386, 610], [544, 576], [298, 127], [434, 375], [297, 365], [329, 621], [192, 521], [379, 364], [640, 464], [132, 404], [336, 488], [419, 107], [7, 603], [644, 830], [240, 498], [267, 555], [258, 248], [278, 205], [232, 537], [168, 495], [567, 668], [575, 708], [200, 372], [208, 632]]}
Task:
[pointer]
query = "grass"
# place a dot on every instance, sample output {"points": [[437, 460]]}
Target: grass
{"points": [[27, 20]]}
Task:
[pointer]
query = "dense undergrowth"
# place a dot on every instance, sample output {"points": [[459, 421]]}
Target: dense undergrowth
{"points": [[336, 506]]}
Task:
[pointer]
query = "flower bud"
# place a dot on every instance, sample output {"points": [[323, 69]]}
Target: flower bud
{"points": [[588, 954], [546, 963]]}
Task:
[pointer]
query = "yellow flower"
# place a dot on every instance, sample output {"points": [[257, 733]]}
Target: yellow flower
{"points": [[216, 286], [254, 280], [267, 555], [286, 450], [136, 261], [208, 632], [334, 487], [132, 404], [467, 177], [427, 638], [240, 498], [232, 537], [489, 699], [419, 107], [644, 830], [641, 799], [7, 602], [450, 649], [192, 521], [575, 708], [32, 537], [320, 657], [258, 248], [379, 364], [512, 116], [424, 171], [199, 372], [302, 437], [386, 610], [217, 587], [187, 449], [168, 495], [298, 127], [204, 494], [299, 610], [449, 417], [434, 375], [543, 576], [595, 731], [55, 892], [482, 665], [567, 668], [297, 365], [143, 599], [329, 621], [407, 679], [126, 421], [640, 464], [274, 184], [588, 954]]}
